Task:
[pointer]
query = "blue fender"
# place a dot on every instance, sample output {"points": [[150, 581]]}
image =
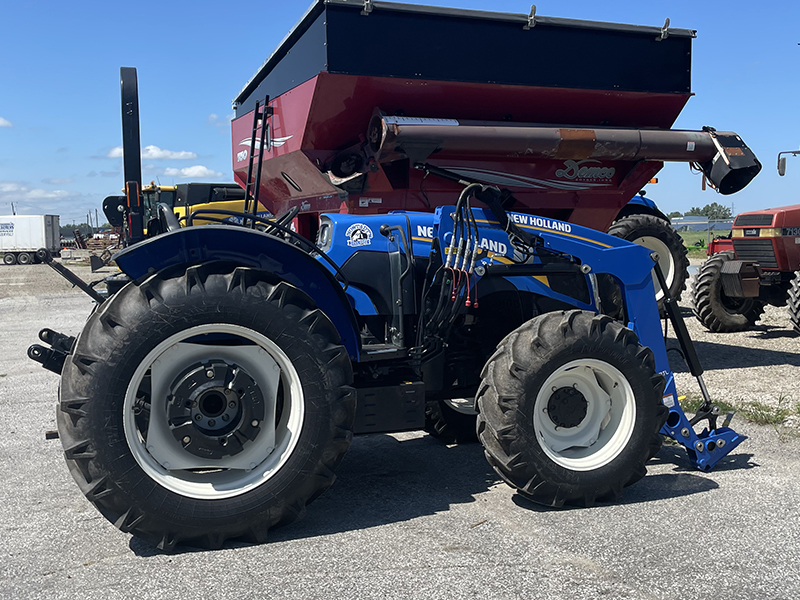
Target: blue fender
{"points": [[249, 248]]}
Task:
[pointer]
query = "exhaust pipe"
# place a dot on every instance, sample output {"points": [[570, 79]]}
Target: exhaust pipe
{"points": [[131, 150], [724, 158]]}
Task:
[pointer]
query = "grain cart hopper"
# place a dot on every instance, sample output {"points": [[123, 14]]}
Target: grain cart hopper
{"points": [[213, 396]]}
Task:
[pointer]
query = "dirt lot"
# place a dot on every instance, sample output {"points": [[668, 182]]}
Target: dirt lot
{"points": [[411, 518]]}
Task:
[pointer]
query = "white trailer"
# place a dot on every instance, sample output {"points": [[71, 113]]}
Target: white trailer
{"points": [[22, 235]]}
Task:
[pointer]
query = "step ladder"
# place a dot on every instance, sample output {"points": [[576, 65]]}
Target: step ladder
{"points": [[262, 112]]}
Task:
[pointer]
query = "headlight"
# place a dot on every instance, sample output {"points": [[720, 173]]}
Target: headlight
{"points": [[770, 232]]}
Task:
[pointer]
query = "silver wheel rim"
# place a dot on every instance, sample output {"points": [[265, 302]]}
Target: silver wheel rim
{"points": [[605, 429], [195, 477], [664, 261]]}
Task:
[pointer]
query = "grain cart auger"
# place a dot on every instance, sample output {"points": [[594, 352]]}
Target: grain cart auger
{"points": [[213, 395]]}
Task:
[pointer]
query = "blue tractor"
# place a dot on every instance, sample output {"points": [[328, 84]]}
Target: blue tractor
{"points": [[220, 380]]}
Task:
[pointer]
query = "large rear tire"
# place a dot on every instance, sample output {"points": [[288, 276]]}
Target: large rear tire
{"points": [[793, 303], [206, 405], [570, 408], [713, 308], [658, 235]]}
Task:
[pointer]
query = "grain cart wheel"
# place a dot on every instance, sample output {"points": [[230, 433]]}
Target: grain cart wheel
{"points": [[657, 235], [570, 408], [9, 259], [25, 258], [451, 421], [718, 312], [793, 302], [207, 405]]}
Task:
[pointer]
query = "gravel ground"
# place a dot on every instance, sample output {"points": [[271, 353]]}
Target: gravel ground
{"points": [[762, 364], [409, 517]]}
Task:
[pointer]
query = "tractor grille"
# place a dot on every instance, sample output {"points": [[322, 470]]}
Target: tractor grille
{"points": [[761, 251], [750, 220]]}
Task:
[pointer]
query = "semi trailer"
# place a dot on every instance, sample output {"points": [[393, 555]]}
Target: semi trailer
{"points": [[22, 235]]}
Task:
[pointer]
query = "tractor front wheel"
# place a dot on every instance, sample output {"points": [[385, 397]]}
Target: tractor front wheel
{"points": [[570, 407], [717, 311], [206, 405], [452, 421]]}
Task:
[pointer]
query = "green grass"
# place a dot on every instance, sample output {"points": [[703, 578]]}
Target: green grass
{"points": [[754, 411], [701, 238], [696, 241]]}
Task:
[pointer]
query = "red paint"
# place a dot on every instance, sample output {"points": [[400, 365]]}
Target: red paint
{"points": [[330, 113]]}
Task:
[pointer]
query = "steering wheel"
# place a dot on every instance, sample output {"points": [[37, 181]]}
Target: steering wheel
{"points": [[167, 218]]}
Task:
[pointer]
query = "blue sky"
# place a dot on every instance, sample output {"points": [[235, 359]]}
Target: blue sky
{"points": [[60, 106]]}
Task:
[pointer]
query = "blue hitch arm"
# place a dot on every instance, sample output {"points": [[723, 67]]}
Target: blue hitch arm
{"points": [[714, 443]]}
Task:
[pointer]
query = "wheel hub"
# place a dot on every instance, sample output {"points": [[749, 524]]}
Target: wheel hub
{"points": [[567, 407], [214, 409]]}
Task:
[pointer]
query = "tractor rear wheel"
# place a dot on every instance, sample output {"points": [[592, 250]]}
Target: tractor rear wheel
{"points": [[570, 407], [793, 302], [713, 308], [658, 235], [206, 405]]}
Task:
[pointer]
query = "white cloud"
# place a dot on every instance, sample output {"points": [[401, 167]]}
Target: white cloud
{"points": [[156, 153], [221, 122], [195, 172], [14, 191], [5, 122]]}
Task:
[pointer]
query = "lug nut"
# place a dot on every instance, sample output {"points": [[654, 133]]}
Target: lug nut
{"points": [[225, 417], [187, 439], [210, 373], [198, 417], [232, 404], [211, 422], [254, 423]]}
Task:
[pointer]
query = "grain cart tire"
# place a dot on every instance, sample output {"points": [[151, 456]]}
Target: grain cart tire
{"points": [[9, 259], [25, 258], [451, 422], [570, 407], [716, 311], [793, 302], [206, 405], [658, 235]]}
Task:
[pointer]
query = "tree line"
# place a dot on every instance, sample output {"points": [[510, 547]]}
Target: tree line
{"points": [[714, 212], [68, 229]]}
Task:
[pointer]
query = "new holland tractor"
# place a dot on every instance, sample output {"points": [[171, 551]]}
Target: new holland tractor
{"points": [[453, 194]]}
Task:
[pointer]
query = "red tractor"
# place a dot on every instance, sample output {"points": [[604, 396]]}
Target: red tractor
{"points": [[758, 265]]}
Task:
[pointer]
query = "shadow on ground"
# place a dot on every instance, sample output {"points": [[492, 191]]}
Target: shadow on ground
{"points": [[716, 357], [383, 480]]}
